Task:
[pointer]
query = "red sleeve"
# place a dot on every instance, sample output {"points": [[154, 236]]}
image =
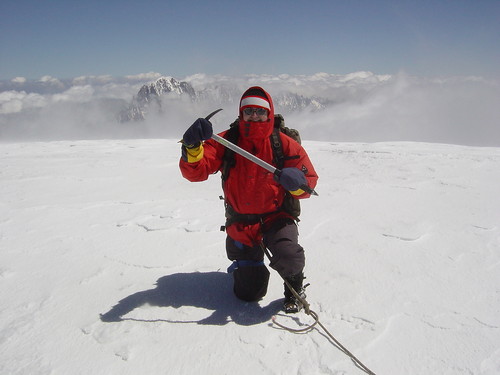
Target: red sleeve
{"points": [[209, 164], [296, 156]]}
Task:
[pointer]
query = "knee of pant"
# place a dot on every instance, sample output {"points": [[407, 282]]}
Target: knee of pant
{"points": [[287, 249], [235, 250], [250, 283]]}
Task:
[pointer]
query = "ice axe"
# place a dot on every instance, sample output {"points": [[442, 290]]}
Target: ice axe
{"points": [[249, 156]]}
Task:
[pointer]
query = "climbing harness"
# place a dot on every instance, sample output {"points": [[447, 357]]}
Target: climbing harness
{"points": [[316, 322]]}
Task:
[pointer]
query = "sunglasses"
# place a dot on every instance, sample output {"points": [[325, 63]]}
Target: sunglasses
{"points": [[258, 111]]}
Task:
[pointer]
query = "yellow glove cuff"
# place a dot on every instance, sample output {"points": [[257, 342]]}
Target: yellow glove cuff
{"points": [[194, 154], [297, 192]]}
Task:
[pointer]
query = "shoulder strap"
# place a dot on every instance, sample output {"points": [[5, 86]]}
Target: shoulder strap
{"points": [[279, 127], [228, 160], [278, 157]]}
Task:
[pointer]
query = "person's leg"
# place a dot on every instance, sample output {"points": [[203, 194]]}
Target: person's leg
{"points": [[287, 256], [288, 259]]}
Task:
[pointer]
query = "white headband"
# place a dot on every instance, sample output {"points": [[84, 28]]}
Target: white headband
{"points": [[255, 101]]}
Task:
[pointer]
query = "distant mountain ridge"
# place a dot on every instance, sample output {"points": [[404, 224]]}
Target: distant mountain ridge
{"points": [[163, 86], [151, 95]]}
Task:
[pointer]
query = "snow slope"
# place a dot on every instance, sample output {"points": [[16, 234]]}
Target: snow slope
{"points": [[402, 245]]}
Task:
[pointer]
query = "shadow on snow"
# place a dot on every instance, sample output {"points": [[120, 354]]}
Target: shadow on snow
{"points": [[206, 290]]}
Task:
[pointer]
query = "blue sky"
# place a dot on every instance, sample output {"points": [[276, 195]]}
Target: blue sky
{"points": [[68, 38]]}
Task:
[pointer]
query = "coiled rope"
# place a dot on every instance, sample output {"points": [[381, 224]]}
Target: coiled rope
{"points": [[316, 322]]}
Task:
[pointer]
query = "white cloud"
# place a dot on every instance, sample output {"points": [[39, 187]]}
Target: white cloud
{"points": [[144, 76], [410, 109], [88, 80], [75, 94], [15, 101], [18, 80], [10, 102], [51, 80]]}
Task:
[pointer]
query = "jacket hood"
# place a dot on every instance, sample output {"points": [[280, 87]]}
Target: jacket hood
{"points": [[256, 130]]}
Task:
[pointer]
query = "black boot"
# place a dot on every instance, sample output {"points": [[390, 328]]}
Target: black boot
{"points": [[292, 304]]}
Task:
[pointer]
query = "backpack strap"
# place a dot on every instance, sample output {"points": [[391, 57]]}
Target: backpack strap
{"points": [[278, 157], [228, 159]]}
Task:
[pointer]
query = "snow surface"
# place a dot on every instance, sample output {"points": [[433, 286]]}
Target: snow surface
{"points": [[402, 245]]}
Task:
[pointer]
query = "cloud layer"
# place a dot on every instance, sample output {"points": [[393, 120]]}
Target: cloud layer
{"points": [[361, 107]]}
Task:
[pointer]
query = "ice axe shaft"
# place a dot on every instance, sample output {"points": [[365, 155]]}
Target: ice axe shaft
{"points": [[244, 153], [268, 167]]}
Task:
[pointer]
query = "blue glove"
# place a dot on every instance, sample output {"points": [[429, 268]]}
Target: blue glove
{"points": [[291, 178], [201, 130]]}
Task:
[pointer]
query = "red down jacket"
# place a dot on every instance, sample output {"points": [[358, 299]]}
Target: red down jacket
{"points": [[250, 189]]}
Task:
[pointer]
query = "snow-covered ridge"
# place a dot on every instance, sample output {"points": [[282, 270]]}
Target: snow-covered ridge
{"points": [[152, 93], [165, 85]]}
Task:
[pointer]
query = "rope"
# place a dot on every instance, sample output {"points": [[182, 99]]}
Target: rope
{"points": [[316, 322]]}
